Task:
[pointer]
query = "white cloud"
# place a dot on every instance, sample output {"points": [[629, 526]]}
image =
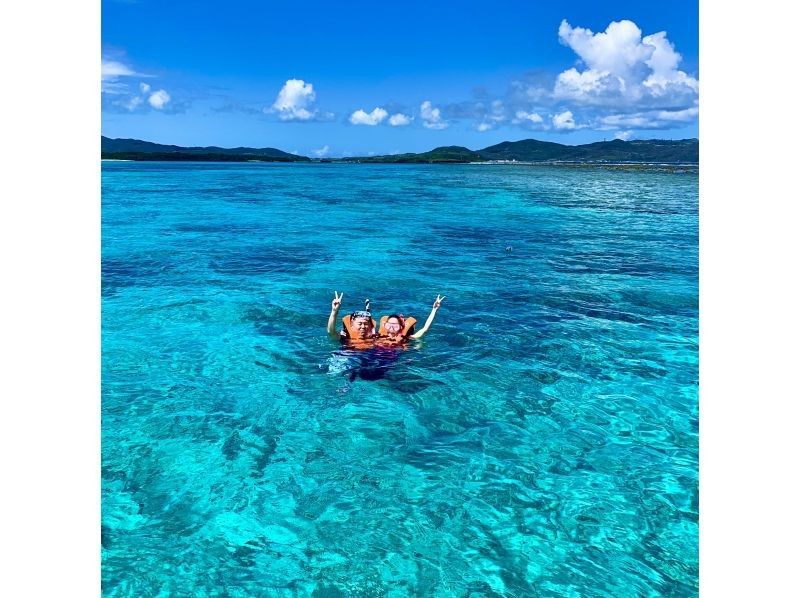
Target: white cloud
{"points": [[636, 120], [649, 119], [126, 95], [623, 135], [114, 87], [686, 115], [622, 81], [587, 85], [432, 117], [522, 116], [399, 120], [359, 117], [624, 69], [110, 73], [111, 69], [323, 151], [664, 64], [294, 101], [564, 121], [158, 99], [131, 103], [618, 51]]}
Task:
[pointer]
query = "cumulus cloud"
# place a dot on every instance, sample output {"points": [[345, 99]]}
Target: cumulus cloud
{"points": [[623, 80], [432, 117], [399, 120], [622, 68], [564, 121], [618, 50], [665, 77], [120, 93], [321, 152], [359, 117], [129, 101], [527, 118], [623, 135], [588, 85], [158, 99], [295, 100]]}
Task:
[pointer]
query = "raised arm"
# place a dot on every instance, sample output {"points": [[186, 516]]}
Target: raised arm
{"points": [[429, 321], [335, 305]]}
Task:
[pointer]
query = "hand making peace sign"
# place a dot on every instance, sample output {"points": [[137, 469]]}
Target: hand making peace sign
{"points": [[438, 302], [337, 301]]}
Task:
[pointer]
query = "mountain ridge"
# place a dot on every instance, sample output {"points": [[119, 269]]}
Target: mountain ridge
{"points": [[677, 151], [136, 149]]}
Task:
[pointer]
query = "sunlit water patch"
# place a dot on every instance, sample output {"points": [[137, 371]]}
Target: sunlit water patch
{"points": [[540, 441]]}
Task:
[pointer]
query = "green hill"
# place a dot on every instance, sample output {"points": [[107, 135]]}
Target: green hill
{"points": [[445, 154], [652, 150], [527, 150], [135, 149], [532, 150]]}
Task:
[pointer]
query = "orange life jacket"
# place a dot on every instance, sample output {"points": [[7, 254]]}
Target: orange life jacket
{"points": [[407, 330], [353, 340]]}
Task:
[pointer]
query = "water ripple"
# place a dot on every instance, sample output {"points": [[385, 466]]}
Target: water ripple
{"points": [[541, 440]]}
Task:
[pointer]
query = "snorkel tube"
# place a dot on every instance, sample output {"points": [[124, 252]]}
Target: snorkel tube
{"points": [[365, 313]]}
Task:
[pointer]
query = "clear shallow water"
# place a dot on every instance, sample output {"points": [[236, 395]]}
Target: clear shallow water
{"points": [[541, 440]]}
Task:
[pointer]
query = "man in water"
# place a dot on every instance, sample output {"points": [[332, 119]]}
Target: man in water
{"points": [[359, 327], [358, 337]]}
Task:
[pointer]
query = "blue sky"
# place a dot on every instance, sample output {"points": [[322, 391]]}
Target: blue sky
{"points": [[334, 79]]}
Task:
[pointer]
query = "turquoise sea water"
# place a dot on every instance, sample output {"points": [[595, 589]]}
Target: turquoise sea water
{"points": [[540, 441]]}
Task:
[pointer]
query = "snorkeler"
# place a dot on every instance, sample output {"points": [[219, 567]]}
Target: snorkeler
{"points": [[359, 327], [397, 329]]}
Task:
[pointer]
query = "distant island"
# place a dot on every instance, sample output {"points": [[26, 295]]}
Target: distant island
{"points": [[663, 151], [134, 149]]}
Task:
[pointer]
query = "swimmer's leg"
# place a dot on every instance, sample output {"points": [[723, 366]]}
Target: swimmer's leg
{"points": [[377, 364], [372, 373]]}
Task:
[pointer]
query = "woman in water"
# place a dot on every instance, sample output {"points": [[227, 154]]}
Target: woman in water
{"points": [[397, 330]]}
